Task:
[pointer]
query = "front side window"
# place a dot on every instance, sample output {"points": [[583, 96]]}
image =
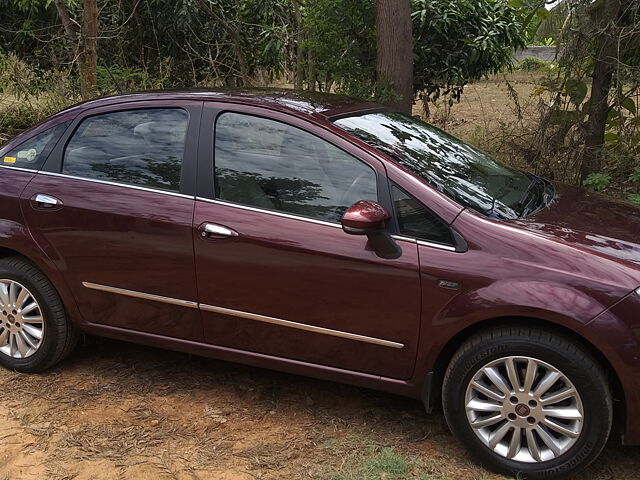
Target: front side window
{"points": [[415, 221], [268, 164], [32, 153], [468, 176], [138, 147]]}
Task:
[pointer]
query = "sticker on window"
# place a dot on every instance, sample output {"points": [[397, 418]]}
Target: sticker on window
{"points": [[9, 159]]}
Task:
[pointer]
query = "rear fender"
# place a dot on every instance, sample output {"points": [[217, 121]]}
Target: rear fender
{"points": [[16, 236]]}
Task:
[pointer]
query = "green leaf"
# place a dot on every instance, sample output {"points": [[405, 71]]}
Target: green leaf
{"points": [[542, 13], [634, 198], [577, 90], [597, 181], [629, 105], [610, 137]]}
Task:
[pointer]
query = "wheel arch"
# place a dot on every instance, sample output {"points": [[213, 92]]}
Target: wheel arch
{"points": [[9, 252], [49, 270], [434, 393]]}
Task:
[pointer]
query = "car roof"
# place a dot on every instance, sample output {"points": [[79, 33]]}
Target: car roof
{"points": [[326, 106]]}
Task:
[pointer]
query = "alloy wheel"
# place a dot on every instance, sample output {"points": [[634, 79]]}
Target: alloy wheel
{"points": [[524, 409], [21, 320]]}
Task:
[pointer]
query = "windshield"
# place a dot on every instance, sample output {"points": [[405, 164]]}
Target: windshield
{"points": [[468, 176]]}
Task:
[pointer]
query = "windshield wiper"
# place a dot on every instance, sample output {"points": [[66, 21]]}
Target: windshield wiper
{"points": [[527, 196]]}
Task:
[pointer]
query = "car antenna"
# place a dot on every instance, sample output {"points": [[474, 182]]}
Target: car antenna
{"points": [[113, 79]]}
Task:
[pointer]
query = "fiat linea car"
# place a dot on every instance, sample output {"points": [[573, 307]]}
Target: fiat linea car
{"points": [[323, 236]]}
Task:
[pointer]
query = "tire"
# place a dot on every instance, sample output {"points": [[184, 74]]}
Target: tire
{"points": [[493, 441], [24, 351]]}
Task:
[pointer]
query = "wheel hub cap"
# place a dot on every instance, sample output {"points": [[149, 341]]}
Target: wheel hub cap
{"points": [[21, 320], [524, 409]]}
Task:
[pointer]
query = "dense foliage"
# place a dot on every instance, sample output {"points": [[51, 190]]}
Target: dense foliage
{"points": [[321, 44], [458, 42]]}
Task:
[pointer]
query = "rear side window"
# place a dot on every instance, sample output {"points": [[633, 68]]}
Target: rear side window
{"points": [[138, 147], [416, 221], [32, 153], [271, 165]]}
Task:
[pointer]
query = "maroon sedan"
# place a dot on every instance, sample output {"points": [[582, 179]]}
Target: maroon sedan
{"points": [[322, 236]]}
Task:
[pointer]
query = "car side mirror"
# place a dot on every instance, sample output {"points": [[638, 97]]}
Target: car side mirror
{"points": [[369, 218]]}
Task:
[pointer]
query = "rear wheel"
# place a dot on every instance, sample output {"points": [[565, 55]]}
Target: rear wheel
{"points": [[34, 330], [528, 401]]}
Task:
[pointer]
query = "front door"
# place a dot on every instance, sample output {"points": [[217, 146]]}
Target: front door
{"points": [[276, 274], [112, 207]]}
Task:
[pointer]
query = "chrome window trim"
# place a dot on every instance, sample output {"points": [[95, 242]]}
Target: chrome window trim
{"points": [[20, 169], [404, 239], [135, 294], [301, 326], [638, 290], [440, 246], [319, 222], [425, 243], [117, 184], [269, 212], [241, 314]]}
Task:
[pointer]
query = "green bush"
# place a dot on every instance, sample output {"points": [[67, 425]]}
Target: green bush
{"points": [[533, 64], [597, 181]]}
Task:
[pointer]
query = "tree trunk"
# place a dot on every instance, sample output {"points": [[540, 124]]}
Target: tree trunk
{"points": [[88, 55], [299, 73], [70, 28], [394, 66], [311, 62], [604, 17]]}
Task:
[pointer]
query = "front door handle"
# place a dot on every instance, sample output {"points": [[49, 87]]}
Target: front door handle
{"points": [[41, 201], [213, 230]]}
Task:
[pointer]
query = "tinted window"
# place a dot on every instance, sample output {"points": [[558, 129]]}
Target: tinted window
{"points": [[271, 165], [461, 172], [139, 147], [33, 153], [417, 222]]}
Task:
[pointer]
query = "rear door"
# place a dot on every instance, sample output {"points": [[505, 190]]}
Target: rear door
{"points": [[114, 207], [276, 273]]}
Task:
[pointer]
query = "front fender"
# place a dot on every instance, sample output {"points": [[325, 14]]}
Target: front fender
{"points": [[556, 302], [505, 300], [617, 335]]}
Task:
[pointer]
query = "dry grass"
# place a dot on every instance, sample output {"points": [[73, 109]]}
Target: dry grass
{"points": [[116, 410], [491, 112]]}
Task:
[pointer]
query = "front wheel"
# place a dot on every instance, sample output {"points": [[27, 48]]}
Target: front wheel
{"points": [[528, 401]]}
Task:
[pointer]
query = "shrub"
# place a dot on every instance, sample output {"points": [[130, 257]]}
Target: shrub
{"points": [[597, 181], [533, 64]]}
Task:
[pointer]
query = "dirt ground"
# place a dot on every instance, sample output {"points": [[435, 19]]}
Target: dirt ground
{"points": [[115, 410], [120, 411]]}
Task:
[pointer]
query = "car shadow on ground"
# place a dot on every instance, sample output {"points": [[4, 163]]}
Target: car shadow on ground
{"points": [[144, 412]]}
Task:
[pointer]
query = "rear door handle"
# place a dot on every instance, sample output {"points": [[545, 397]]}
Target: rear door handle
{"points": [[213, 230], [41, 201]]}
